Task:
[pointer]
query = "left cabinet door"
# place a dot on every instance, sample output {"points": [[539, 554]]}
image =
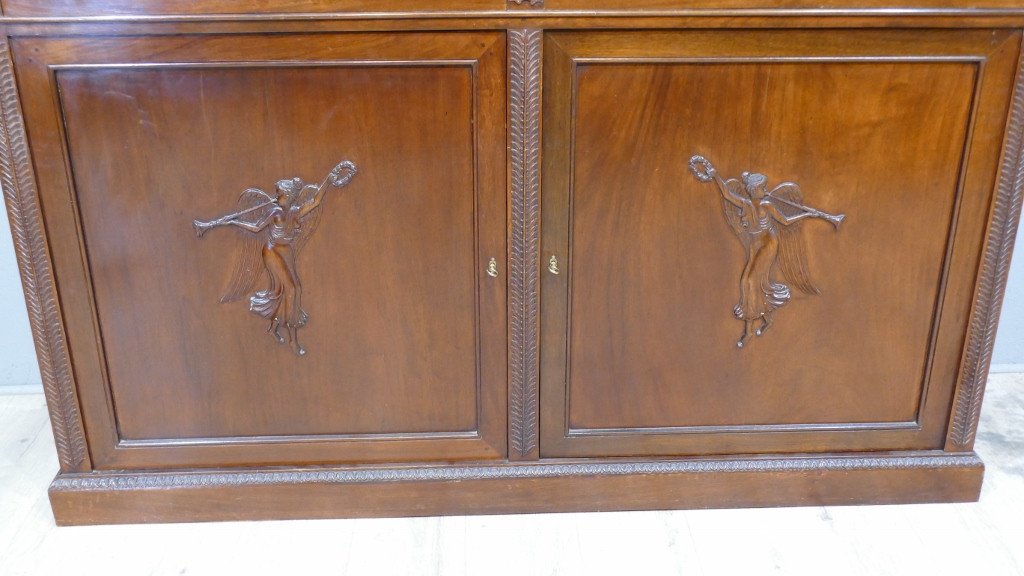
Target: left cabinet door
{"points": [[350, 192]]}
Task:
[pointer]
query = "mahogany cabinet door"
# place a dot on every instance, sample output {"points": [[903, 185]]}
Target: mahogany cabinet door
{"points": [[850, 286], [388, 270]]}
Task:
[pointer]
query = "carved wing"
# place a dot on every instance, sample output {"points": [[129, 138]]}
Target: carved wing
{"points": [[788, 198], [734, 214], [248, 267], [792, 260]]}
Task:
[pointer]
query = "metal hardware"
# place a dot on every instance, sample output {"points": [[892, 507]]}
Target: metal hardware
{"points": [[492, 268], [553, 264]]}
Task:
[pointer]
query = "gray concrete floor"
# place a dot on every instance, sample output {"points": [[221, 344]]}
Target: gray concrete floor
{"points": [[983, 539]]}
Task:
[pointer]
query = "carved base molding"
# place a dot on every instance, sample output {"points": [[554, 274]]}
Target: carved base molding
{"points": [[568, 486]]}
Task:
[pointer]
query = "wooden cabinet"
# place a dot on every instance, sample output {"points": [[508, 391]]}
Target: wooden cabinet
{"points": [[476, 258]]}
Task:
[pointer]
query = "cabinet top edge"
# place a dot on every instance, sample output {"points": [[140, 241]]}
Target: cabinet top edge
{"points": [[175, 11]]}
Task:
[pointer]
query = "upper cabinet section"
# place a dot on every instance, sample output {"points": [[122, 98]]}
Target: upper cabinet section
{"points": [[57, 8], [702, 6], [770, 5], [556, 8]]}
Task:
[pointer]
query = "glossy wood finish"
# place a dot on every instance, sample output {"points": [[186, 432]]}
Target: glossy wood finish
{"points": [[29, 8], [366, 390], [875, 354], [271, 8], [419, 394]]}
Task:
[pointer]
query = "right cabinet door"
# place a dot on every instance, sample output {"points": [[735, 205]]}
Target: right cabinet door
{"points": [[765, 241]]}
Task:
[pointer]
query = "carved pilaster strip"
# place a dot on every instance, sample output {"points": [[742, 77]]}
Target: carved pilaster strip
{"points": [[36, 276], [217, 478], [524, 133], [992, 280]]}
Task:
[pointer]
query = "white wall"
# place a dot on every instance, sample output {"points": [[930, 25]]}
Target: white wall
{"points": [[1009, 353], [18, 358], [17, 353]]}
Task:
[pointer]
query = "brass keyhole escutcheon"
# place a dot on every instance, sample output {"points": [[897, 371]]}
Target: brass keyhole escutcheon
{"points": [[492, 268], [553, 264]]}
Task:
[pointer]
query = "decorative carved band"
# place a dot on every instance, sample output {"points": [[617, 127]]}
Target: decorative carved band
{"points": [[767, 224], [528, 3], [36, 276], [992, 280], [278, 227], [524, 135], [160, 480]]}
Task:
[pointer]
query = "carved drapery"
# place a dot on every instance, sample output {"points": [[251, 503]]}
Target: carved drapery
{"points": [[767, 223], [278, 226]]}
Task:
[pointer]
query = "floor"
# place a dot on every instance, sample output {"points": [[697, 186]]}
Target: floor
{"points": [[984, 539]]}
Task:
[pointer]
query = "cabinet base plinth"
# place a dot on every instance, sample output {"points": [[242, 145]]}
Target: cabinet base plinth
{"points": [[545, 486]]}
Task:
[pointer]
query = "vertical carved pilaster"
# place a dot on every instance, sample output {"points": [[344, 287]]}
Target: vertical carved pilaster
{"points": [[36, 276], [992, 280], [524, 133]]}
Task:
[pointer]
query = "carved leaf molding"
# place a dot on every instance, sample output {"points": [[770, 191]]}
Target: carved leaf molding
{"points": [[994, 272], [30, 246], [524, 108]]}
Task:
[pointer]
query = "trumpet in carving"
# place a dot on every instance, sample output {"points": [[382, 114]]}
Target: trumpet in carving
{"points": [[765, 222], [279, 226]]}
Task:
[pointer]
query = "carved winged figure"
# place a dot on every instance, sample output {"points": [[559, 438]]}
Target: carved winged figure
{"points": [[765, 222], [279, 226]]}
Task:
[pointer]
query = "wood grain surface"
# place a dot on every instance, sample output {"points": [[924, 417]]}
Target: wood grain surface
{"points": [[524, 300], [243, 8], [652, 268], [406, 338]]}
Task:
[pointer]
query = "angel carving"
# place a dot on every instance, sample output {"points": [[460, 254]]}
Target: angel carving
{"points": [[280, 225], [765, 222]]}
